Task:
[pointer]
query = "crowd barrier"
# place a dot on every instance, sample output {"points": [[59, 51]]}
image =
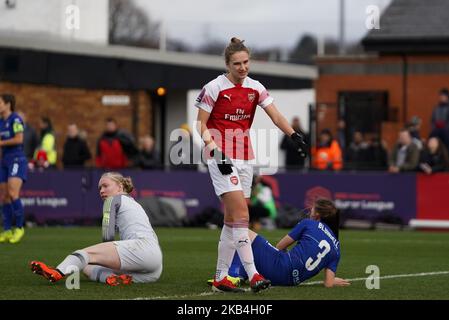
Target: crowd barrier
{"points": [[72, 195]]}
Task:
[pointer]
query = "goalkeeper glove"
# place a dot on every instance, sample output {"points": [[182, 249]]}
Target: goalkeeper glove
{"points": [[300, 143], [224, 163]]}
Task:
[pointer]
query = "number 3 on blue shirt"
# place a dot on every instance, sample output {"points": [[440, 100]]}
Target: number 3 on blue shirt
{"points": [[310, 264]]}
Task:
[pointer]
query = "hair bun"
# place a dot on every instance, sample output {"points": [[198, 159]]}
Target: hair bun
{"points": [[236, 40], [128, 186], [236, 45]]}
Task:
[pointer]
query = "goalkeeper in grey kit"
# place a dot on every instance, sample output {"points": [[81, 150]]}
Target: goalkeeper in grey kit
{"points": [[136, 257]]}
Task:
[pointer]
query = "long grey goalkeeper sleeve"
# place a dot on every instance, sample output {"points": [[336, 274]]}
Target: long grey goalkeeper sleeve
{"points": [[110, 209]]}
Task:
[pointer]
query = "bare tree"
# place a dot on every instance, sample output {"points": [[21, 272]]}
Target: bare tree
{"points": [[304, 50], [128, 25]]}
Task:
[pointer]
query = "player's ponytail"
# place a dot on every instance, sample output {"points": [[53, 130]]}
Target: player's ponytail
{"points": [[329, 214], [236, 45], [127, 184], [9, 98]]}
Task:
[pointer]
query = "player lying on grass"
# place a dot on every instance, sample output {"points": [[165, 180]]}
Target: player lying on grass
{"points": [[137, 257], [317, 248]]}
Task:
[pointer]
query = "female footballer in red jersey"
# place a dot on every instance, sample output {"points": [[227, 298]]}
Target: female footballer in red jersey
{"points": [[226, 108]]}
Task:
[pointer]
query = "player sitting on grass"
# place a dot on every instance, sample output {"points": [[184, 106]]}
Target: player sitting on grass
{"points": [[137, 257], [317, 248]]}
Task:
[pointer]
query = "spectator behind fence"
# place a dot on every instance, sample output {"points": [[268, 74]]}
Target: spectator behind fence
{"points": [[440, 118], [413, 127], [45, 154], [115, 148], [434, 158], [356, 155], [30, 137], [76, 151], [327, 154], [148, 157], [293, 161], [405, 155], [377, 154], [182, 152], [341, 134]]}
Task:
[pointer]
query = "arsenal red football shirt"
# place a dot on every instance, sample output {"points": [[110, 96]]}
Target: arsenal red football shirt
{"points": [[232, 108]]}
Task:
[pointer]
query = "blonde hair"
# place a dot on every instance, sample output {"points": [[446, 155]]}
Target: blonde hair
{"points": [[125, 182], [236, 45]]}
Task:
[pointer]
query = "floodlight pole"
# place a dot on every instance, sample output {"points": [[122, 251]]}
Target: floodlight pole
{"points": [[341, 42], [163, 36]]}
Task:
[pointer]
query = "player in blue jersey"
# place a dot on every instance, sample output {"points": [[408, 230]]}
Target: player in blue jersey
{"points": [[317, 248], [13, 169]]}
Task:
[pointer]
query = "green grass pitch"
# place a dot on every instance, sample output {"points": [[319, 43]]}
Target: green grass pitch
{"points": [[190, 258]]}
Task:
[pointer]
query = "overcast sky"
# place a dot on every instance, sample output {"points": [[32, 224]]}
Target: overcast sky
{"points": [[263, 23]]}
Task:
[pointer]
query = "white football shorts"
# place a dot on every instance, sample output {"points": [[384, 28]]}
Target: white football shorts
{"points": [[241, 177], [140, 255]]}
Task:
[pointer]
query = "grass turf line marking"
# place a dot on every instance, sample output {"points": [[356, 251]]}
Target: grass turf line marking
{"points": [[202, 294], [409, 241], [209, 293], [393, 276]]}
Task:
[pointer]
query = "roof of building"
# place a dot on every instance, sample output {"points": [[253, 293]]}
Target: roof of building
{"points": [[411, 26], [50, 50]]}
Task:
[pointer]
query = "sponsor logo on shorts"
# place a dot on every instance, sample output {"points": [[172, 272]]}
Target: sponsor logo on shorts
{"points": [[234, 180], [295, 275]]}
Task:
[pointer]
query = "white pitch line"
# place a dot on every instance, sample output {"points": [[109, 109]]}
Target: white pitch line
{"points": [[202, 294], [393, 276], [209, 293], [408, 241]]}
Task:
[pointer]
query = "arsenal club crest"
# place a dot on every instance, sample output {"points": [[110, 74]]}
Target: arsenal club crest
{"points": [[251, 96], [234, 180]]}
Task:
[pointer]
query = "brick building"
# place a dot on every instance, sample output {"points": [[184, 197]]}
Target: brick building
{"points": [[406, 64], [81, 106]]}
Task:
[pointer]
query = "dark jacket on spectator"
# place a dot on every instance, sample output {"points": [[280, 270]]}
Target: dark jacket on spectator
{"points": [[356, 156], [75, 153], [440, 123], [377, 157], [411, 157], [292, 158], [440, 116], [438, 161], [148, 160], [30, 141]]}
